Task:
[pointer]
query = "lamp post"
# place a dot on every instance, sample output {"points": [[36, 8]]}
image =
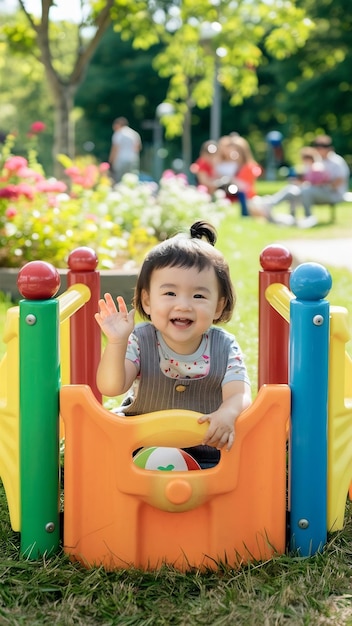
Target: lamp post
{"points": [[208, 31], [162, 110], [215, 110]]}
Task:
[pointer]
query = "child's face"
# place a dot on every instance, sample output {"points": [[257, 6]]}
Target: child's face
{"points": [[182, 303], [210, 157], [308, 161]]}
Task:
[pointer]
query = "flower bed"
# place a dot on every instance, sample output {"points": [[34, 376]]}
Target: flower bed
{"points": [[45, 219]]}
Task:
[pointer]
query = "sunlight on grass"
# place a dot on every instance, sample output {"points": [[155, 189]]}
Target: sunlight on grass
{"points": [[284, 591]]}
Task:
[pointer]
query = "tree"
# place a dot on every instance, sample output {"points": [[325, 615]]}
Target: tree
{"points": [[310, 91], [42, 39], [129, 87], [318, 79], [189, 59], [203, 50], [23, 94]]}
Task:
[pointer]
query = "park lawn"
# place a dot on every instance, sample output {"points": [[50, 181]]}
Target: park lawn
{"points": [[285, 590]]}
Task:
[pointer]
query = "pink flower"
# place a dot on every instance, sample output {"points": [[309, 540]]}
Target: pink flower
{"points": [[9, 192], [25, 190], [12, 192], [91, 176], [86, 177], [104, 167], [72, 171], [167, 174], [15, 163], [27, 172], [37, 127], [10, 212], [51, 186], [202, 189]]}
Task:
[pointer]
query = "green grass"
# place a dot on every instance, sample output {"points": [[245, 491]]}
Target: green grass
{"points": [[242, 241], [285, 590]]}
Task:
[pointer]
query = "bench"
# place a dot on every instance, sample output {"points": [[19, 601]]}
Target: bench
{"points": [[346, 198]]}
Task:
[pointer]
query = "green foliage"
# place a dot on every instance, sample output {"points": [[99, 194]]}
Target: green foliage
{"points": [[21, 39], [289, 60], [285, 591], [41, 219], [190, 55], [133, 89], [310, 91]]}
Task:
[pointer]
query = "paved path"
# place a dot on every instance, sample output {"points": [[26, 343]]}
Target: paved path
{"points": [[333, 252]]}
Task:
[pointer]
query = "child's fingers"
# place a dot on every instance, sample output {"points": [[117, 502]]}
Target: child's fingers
{"points": [[219, 438], [106, 305], [109, 302], [122, 304], [230, 441]]}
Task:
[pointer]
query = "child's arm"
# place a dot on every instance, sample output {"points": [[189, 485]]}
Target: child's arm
{"points": [[236, 398], [115, 374]]}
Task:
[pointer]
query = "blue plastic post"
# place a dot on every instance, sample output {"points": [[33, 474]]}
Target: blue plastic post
{"points": [[309, 348]]}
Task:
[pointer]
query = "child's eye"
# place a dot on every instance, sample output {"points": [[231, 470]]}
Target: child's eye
{"points": [[198, 295], [169, 293]]}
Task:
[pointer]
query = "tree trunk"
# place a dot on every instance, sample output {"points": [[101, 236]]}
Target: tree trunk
{"points": [[64, 89], [64, 132], [187, 141]]}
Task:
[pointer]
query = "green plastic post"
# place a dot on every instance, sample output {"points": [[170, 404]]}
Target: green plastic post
{"points": [[39, 427]]}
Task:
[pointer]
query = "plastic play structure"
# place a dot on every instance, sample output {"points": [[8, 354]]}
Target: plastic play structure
{"points": [[291, 458]]}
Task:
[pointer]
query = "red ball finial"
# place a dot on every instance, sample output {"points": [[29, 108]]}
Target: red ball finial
{"points": [[38, 280], [83, 259], [275, 258]]}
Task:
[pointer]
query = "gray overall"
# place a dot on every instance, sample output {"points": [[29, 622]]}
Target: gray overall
{"points": [[158, 392]]}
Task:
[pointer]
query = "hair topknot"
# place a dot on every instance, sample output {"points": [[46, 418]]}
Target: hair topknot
{"points": [[204, 230]]}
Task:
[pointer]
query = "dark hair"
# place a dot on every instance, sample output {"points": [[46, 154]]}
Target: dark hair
{"points": [[208, 147], [122, 121], [194, 251], [322, 141]]}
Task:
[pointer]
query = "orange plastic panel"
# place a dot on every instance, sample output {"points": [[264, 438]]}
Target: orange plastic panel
{"points": [[119, 515]]}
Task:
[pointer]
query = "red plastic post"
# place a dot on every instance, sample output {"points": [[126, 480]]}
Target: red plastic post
{"points": [[85, 332], [273, 329]]}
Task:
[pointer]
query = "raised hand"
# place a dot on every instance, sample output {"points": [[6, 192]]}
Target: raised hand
{"points": [[116, 322]]}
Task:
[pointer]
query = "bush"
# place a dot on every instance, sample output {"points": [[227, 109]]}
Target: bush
{"points": [[45, 219]]}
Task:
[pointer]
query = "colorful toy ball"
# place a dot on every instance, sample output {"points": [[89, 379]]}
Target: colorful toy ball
{"points": [[165, 460]]}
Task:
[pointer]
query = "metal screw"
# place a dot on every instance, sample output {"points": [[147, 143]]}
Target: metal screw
{"points": [[31, 319], [318, 320], [303, 523], [50, 527]]}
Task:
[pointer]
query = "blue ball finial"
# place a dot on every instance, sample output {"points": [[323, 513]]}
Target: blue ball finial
{"points": [[310, 281]]}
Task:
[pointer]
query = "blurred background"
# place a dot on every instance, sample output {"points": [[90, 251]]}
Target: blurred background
{"points": [[263, 75]]}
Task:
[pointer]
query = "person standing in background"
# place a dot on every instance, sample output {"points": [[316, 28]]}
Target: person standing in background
{"points": [[125, 150]]}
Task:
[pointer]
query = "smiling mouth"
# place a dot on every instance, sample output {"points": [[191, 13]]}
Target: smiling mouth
{"points": [[181, 322]]}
